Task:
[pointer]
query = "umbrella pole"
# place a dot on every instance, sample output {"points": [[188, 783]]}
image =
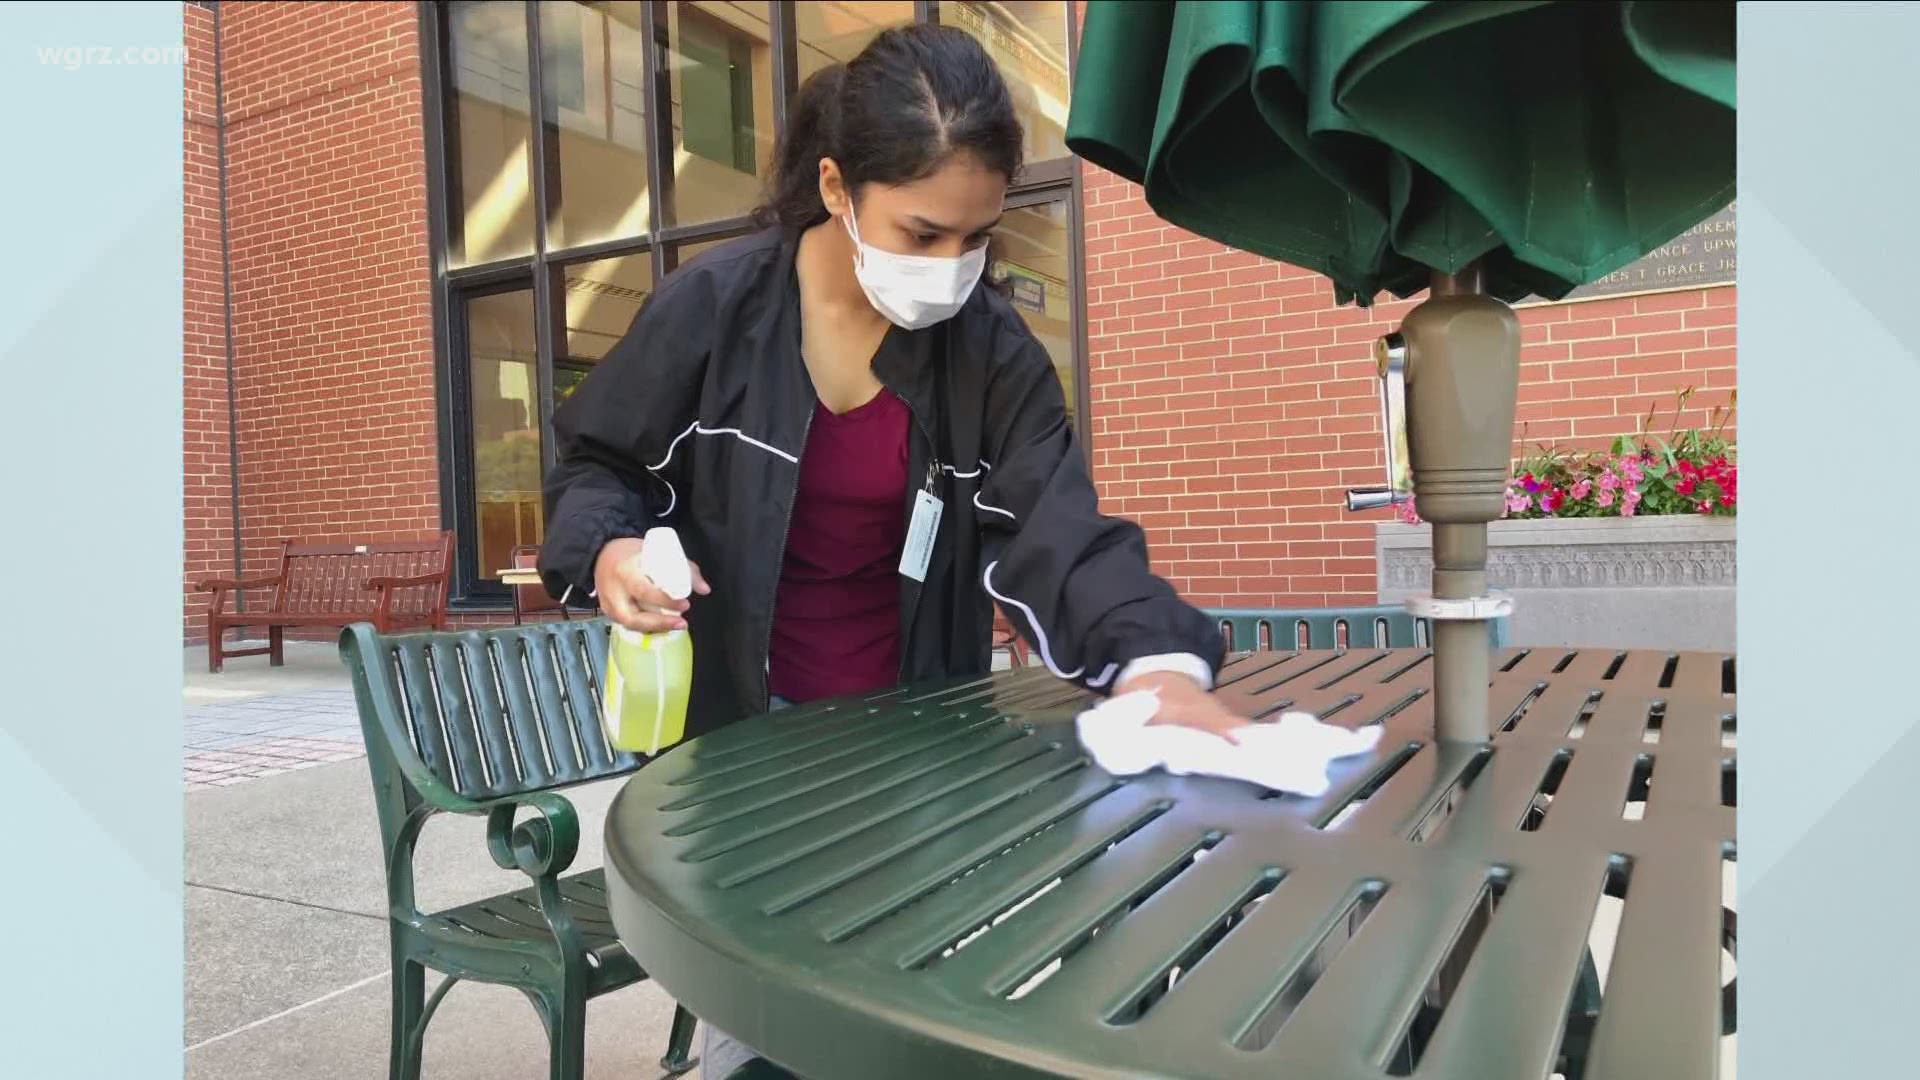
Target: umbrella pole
{"points": [[1462, 381]]}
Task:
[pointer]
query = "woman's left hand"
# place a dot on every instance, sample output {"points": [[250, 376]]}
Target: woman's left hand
{"points": [[1184, 703]]}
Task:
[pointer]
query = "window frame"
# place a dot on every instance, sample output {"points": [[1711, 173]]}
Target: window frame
{"points": [[543, 269]]}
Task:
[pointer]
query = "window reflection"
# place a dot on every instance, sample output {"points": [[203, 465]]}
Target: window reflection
{"points": [[1028, 40], [591, 75], [603, 297], [721, 74], [492, 128], [506, 433], [1032, 265], [834, 31]]}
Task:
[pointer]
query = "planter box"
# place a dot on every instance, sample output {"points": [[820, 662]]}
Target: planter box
{"points": [[1649, 583]]}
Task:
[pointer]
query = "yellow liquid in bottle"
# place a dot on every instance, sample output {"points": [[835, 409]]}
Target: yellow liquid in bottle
{"points": [[647, 682]]}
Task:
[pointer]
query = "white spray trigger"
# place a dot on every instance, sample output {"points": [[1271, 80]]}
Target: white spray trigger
{"points": [[664, 562]]}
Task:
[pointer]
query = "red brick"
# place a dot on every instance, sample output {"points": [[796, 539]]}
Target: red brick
{"points": [[1587, 328], [1657, 323], [333, 344], [1587, 350]]}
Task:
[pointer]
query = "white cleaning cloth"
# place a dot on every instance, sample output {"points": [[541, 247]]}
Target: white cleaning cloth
{"points": [[1291, 754]]}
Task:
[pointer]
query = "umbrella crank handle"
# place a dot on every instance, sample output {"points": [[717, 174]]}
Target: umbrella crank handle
{"points": [[1390, 359]]}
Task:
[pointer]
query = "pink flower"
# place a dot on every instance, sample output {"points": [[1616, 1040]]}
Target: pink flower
{"points": [[1605, 498], [1408, 514], [1581, 489], [1631, 472], [1609, 482], [1518, 502], [1628, 506]]}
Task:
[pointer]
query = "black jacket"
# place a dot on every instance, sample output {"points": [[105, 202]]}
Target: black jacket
{"points": [[697, 419]]}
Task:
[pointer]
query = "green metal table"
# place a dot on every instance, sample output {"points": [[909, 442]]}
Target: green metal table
{"points": [[937, 882]]}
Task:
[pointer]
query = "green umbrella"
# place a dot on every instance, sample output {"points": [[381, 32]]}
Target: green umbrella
{"points": [[1482, 151], [1552, 143]]}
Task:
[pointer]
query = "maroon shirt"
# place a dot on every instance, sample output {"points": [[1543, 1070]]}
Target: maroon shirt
{"points": [[836, 622]]}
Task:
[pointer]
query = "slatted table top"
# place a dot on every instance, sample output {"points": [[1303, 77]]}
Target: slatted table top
{"points": [[937, 882]]}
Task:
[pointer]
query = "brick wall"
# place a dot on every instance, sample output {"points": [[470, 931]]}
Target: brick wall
{"points": [[331, 281], [1233, 403], [209, 522]]}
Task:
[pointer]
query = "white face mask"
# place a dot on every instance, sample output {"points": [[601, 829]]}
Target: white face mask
{"points": [[913, 291]]}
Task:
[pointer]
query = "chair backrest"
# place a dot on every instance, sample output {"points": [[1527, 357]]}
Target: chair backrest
{"points": [[330, 579], [1385, 626], [532, 599], [501, 711]]}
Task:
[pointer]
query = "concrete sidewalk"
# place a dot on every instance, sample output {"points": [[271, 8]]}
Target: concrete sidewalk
{"points": [[287, 969], [310, 665]]}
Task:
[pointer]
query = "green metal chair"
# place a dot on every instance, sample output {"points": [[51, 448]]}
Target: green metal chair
{"points": [[491, 723], [1386, 626]]}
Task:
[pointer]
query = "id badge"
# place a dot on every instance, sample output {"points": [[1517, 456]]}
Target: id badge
{"points": [[917, 553]]}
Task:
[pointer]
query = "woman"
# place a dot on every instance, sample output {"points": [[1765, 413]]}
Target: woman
{"points": [[861, 449]]}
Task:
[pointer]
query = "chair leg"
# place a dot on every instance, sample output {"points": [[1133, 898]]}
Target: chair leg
{"points": [[566, 1017], [409, 1017], [276, 646], [215, 658], [679, 1057]]}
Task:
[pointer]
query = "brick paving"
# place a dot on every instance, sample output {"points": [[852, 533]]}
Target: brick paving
{"points": [[229, 743]]}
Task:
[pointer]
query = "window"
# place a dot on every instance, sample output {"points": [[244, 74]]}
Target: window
{"points": [[1033, 265], [602, 299], [1028, 39], [505, 434], [721, 80], [832, 32], [489, 133], [582, 154], [596, 184]]}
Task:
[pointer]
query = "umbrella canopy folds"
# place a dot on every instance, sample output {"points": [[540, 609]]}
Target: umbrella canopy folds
{"points": [[1377, 142]]}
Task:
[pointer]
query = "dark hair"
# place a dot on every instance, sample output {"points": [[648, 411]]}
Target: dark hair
{"points": [[894, 114]]}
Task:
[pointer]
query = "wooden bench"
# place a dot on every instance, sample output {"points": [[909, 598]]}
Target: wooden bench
{"points": [[394, 585], [500, 743]]}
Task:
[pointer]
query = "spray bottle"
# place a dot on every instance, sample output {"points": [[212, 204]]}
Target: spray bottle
{"points": [[649, 675]]}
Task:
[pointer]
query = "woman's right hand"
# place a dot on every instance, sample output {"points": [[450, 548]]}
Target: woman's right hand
{"points": [[630, 598]]}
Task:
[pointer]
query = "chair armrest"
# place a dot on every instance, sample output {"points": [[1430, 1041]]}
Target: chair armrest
{"points": [[231, 584], [540, 847], [402, 582]]}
